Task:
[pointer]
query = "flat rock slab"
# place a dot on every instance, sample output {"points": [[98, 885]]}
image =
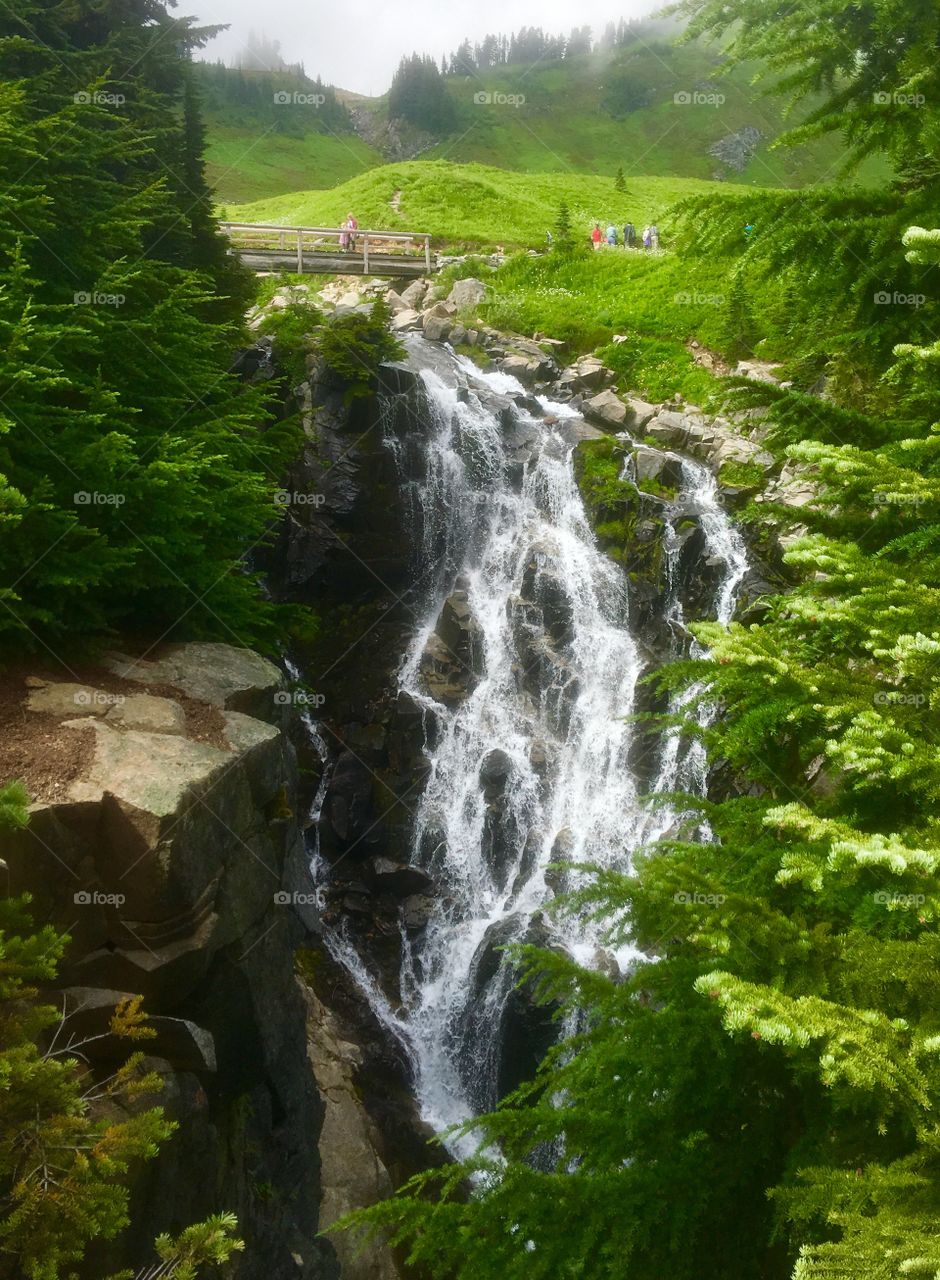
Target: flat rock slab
{"points": [[244, 733], [408, 319], [148, 714], [220, 674], [72, 700], [151, 771]]}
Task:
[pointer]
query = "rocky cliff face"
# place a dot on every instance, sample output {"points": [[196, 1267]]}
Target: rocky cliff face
{"points": [[174, 859]]}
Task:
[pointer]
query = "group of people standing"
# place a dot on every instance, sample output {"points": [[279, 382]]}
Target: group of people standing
{"points": [[649, 239]]}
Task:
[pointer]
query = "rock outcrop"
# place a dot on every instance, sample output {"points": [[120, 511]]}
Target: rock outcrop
{"points": [[174, 861]]}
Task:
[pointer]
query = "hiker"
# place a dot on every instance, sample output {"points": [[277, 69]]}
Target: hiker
{"points": [[597, 235], [654, 237], [612, 235], [647, 238], [347, 240], [549, 239], [748, 230], [629, 235]]}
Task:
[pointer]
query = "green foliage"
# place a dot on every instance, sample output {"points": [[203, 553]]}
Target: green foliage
{"points": [[291, 328], [354, 346], [211, 1242], [63, 1152], [563, 233], [136, 474], [418, 95], [473, 204], [741, 334], [583, 115], [757, 1097], [874, 65]]}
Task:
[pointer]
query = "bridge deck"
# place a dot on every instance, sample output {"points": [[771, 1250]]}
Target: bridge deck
{"points": [[334, 264], [272, 247]]}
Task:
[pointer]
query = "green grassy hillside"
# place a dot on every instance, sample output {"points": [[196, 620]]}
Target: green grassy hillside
{"points": [[244, 166], [588, 114], [595, 113], [470, 204]]}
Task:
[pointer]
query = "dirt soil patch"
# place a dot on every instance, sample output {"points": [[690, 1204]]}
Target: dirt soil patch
{"points": [[36, 750]]}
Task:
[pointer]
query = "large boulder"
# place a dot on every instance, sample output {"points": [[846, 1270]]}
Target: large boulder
{"points": [[467, 293], [669, 428], [586, 374], [220, 674], [606, 407], [526, 368], [352, 1173], [166, 861], [413, 296], [405, 320], [641, 412], [452, 661], [436, 328]]}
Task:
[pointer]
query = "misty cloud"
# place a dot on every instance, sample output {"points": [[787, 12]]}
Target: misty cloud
{"points": [[359, 47]]}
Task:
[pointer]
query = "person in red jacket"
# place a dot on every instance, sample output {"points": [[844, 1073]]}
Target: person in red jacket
{"points": [[597, 235]]}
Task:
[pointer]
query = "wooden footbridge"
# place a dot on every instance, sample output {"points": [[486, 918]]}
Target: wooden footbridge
{"points": [[330, 251]]}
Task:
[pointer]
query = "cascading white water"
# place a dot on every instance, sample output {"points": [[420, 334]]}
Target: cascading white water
{"points": [[533, 766], [683, 763]]}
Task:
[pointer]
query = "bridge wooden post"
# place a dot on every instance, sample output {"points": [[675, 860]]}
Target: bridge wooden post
{"points": [[365, 254], [300, 253], [427, 253]]}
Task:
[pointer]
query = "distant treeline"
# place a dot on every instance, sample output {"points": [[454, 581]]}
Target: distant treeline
{"points": [[267, 94], [532, 44]]}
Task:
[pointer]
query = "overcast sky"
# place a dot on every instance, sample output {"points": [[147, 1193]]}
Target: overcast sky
{"points": [[358, 45]]}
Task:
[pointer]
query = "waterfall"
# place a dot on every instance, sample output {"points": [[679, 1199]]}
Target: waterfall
{"points": [[531, 765]]}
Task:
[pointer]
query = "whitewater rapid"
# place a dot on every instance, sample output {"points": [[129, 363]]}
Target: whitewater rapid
{"points": [[533, 766]]}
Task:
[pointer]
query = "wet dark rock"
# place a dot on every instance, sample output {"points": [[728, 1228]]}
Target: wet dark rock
{"points": [[562, 848], [527, 1029], [544, 587], [530, 404], [348, 823], [494, 773], [397, 878], [416, 911], [452, 662]]}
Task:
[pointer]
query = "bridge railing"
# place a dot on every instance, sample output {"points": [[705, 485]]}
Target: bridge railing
{"points": [[272, 236]]}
